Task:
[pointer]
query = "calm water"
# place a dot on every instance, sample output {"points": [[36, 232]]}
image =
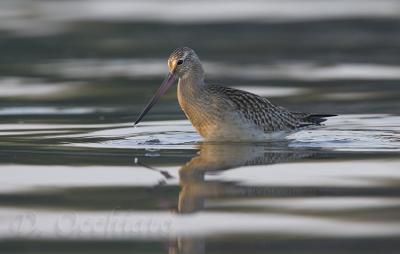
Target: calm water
{"points": [[77, 177]]}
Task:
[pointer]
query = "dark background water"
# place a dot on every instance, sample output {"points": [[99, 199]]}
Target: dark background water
{"points": [[75, 74], [87, 54]]}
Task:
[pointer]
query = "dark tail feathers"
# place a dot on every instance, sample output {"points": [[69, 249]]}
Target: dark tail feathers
{"points": [[317, 119]]}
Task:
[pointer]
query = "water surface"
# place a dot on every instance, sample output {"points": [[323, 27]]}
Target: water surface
{"points": [[77, 177]]}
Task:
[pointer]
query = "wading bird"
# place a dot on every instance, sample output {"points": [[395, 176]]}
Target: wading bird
{"points": [[221, 113]]}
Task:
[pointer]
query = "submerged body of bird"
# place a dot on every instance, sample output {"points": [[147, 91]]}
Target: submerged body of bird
{"points": [[221, 113]]}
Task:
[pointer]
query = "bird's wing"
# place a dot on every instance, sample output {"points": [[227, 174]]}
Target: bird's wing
{"points": [[259, 110]]}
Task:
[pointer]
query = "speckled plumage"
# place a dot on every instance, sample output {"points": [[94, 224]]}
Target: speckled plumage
{"points": [[257, 109], [225, 114]]}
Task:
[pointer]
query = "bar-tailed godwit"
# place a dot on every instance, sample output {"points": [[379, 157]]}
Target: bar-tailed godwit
{"points": [[221, 113]]}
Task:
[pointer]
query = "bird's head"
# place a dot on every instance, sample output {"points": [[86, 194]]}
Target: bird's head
{"points": [[182, 63]]}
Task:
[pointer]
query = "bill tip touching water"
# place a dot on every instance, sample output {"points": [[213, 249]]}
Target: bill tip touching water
{"points": [[221, 113]]}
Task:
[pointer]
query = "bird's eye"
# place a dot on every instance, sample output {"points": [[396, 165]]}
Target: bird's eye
{"points": [[179, 62]]}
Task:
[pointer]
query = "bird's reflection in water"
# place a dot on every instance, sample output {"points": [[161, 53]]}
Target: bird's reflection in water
{"points": [[195, 189]]}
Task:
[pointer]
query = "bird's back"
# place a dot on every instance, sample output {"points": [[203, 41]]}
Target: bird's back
{"points": [[262, 113], [222, 113]]}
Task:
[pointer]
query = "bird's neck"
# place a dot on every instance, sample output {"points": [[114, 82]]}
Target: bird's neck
{"points": [[191, 83], [194, 75], [191, 91], [193, 99]]}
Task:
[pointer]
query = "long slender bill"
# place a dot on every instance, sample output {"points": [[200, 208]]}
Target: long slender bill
{"points": [[166, 84]]}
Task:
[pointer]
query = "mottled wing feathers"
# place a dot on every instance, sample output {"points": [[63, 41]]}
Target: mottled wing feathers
{"points": [[259, 110]]}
